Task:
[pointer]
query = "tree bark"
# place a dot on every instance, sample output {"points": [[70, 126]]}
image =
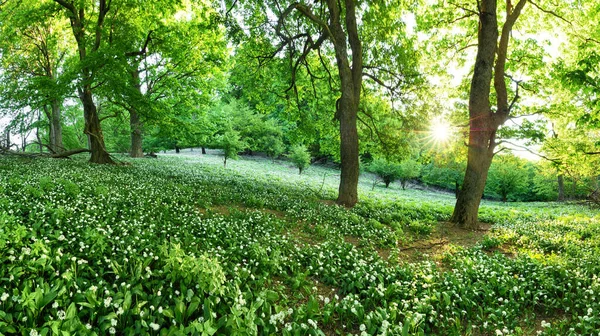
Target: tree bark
{"points": [[483, 122], [56, 140], [347, 106], [561, 188], [134, 119], [136, 135], [348, 189], [203, 150], [99, 154]]}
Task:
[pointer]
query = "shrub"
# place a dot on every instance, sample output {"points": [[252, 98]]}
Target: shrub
{"points": [[387, 171], [300, 157], [231, 144], [408, 169], [273, 146]]}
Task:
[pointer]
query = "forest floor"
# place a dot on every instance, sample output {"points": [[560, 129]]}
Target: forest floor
{"points": [[181, 245]]}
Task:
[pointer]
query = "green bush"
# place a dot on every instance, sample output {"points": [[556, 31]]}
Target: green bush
{"points": [[387, 171], [408, 169], [300, 157], [231, 144]]}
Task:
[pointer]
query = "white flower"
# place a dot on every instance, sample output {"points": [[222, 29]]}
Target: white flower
{"points": [[33, 332], [61, 314], [154, 326], [498, 332], [112, 330], [107, 301], [113, 322], [362, 327], [4, 296], [88, 326]]}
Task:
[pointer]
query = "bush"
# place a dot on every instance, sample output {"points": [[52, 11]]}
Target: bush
{"points": [[231, 144], [273, 146], [408, 169], [300, 157], [387, 171]]}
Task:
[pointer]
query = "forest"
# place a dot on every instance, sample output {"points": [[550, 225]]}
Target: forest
{"points": [[320, 167]]}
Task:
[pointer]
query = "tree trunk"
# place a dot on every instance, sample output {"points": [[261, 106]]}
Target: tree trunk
{"points": [[7, 130], [483, 122], [348, 190], [56, 140], [136, 135], [93, 129], [469, 196], [134, 119], [561, 188], [177, 149], [203, 150], [350, 86]]}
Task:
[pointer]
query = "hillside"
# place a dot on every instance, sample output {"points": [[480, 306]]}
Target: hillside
{"points": [[181, 245]]}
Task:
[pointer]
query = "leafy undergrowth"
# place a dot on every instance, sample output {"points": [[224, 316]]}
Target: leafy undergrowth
{"points": [[182, 246]]}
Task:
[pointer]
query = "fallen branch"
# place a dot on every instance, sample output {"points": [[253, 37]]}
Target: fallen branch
{"points": [[66, 154], [61, 155], [425, 247]]}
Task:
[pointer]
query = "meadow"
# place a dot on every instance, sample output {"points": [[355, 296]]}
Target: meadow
{"points": [[180, 245]]}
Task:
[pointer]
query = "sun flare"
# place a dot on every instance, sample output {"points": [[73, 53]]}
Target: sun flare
{"points": [[440, 131]]}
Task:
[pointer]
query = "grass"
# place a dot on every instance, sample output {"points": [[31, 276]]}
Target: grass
{"points": [[180, 245]]}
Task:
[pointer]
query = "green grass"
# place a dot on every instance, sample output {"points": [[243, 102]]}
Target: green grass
{"points": [[180, 245]]}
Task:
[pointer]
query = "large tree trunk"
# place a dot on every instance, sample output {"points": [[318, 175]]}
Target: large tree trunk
{"points": [[469, 196], [561, 188], [93, 129], [134, 119], [347, 107], [136, 135], [56, 140], [483, 122], [348, 190]]}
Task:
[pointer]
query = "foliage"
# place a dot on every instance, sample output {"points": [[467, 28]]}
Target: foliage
{"points": [[507, 176], [408, 170], [149, 262], [231, 145], [387, 171], [300, 157]]}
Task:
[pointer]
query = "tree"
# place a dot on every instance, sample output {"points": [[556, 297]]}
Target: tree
{"points": [[87, 20], [387, 171], [507, 176], [35, 73], [166, 61], [304, 29], [300, 157], [408, 169], [231, 144]]}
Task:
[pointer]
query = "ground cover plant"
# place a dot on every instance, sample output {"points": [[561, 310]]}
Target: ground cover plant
{"points": [[182, 245]]}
